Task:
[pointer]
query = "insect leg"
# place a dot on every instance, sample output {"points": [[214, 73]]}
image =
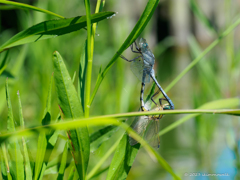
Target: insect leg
{"points": [[128, 59], [133, 50], [160, 100], [137, 46], [153, 97]]}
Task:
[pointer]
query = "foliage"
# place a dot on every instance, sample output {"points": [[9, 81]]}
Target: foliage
{"points": [[57, 141]]}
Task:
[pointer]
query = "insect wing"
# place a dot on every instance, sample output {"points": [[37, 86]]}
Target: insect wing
{"points": [[139, 125], [139, 70], [152, 133]]}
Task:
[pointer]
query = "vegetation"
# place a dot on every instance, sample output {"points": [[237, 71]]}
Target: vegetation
{"points": [[72, 119]]}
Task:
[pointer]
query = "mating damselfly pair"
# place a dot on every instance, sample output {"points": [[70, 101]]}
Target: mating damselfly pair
{"points": [[142, 67]]}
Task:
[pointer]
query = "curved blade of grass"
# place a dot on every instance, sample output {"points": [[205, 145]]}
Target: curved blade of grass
{"points": [[104, 120], [71, 107], [96, 121], [200, 56], [52, 28], [28, 170], [202, 17], [16, 158], [137, 30], [205, 70], [103, 159], [29, 7]]}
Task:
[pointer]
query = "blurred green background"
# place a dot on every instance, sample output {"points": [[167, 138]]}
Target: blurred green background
{"points": [[177, 33]]}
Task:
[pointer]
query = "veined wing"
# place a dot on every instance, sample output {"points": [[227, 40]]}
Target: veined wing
{"points": [[139, 125], [152, 133], [140, 70]]}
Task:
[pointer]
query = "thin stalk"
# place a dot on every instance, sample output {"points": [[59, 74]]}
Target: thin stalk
{"points": [[90, 47], [208, 49]]}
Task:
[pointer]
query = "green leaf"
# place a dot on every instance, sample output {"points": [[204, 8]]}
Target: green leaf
{"points": [[90, 46], [4, 162], [41, 149], [43, 144], [3, 65], [122, 160], [101, 136], [47, 112], [71, 173], [16, 158], [94, 170], [82, 73], [28, 170], [63, 163], [52, 28], [29, 7], [10, 121], [71, 107], [101, 132]]}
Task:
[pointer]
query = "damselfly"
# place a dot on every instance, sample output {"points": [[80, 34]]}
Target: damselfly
{"points": [[148, 126], [142, 67]]}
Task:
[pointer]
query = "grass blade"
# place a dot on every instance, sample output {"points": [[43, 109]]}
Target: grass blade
{"points": [[63, 163], [71, 173], [3, 65], [90, 46], [219, 104], [28, 170], [16, 158], [98, 134], [122, 160], [42, 157], [51, 28], [202, 17], [4, 163], [41, 149], [200, 56], [93, 172], [82, 74], [29, 7], [71, 107], [137, 30]]}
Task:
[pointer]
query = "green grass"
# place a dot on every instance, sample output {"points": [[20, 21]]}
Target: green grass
{"points": [[72, 119]]}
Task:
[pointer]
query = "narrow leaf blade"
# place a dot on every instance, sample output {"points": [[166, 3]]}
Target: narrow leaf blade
{"points": [[71, 107], [51, 28]]}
